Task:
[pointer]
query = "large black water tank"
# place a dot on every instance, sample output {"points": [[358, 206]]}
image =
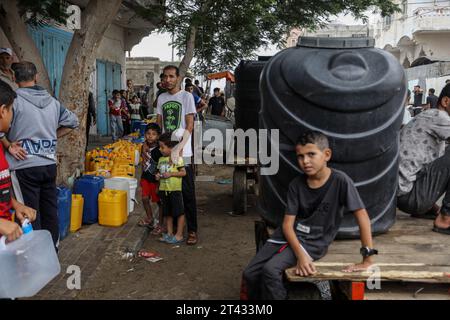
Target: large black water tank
{"points": [[353, 93], [247, 95]]}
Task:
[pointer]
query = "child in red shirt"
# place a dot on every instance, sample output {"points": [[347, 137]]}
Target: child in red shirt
{"points": [[9, 228]]}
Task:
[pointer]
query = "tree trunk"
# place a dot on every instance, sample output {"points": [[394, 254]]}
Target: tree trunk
{"points": [[189, 54], [96, 18], [21, 42]]}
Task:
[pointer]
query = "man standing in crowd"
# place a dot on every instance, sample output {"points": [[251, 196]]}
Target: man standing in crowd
{"points": [[407, 115], [200, 105], [431, 99], [188, 81], [6, 73], [129, 93], [161, 89], [197, 84], [176, 110], [418, 96], [39, 120], [217, 104], [115, 105], [91, 116]]}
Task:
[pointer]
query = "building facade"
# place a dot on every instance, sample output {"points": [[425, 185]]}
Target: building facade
{"points": [[332, 30], [419, 37], [145, 72]]}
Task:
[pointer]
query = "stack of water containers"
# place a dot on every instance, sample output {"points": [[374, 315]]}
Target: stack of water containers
{"points": [[27, 264], [88, 204]]}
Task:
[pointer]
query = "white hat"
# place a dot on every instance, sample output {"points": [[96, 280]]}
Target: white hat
{"points": [[6, 50]]}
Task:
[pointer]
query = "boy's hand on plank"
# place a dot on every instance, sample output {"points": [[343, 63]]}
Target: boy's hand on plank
{"points": [[305, 267]]}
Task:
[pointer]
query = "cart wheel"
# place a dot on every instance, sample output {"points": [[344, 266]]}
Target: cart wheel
{"points": [[240, 190]]}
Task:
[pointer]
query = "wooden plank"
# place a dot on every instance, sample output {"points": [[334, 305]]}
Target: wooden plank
{"points": [[408, 241], [386, 273], [409, 291]]}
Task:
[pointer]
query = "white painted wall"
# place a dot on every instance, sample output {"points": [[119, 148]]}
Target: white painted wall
{"points": [[112, 48], [423, 28]]}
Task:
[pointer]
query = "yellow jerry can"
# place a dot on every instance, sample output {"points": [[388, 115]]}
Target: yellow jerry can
{"points": [[112, 208], [76, 212]]}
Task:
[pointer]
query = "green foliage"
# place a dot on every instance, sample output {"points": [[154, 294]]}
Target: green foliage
{"points": [[231, 30], [41, 12]]}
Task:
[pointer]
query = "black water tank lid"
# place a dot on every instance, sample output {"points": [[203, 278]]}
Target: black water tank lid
{"points": [[335, 43]]}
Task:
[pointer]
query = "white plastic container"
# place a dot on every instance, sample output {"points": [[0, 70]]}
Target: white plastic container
{"points": [[119, 184], [27, 264], [133, 184], [136, 157]]}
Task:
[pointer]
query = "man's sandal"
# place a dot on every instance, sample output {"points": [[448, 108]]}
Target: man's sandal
{"points": [[192, 238]]}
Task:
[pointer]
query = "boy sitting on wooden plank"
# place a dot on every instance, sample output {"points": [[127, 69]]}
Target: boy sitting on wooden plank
{"points": [[315, 206]]}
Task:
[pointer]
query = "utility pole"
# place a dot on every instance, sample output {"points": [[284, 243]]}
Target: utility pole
{"points": [[173, 48]]}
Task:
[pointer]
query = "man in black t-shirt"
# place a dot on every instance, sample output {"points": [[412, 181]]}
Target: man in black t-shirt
{"points": [[217, 104], [432, 100], [418, 96], [316, 202]]}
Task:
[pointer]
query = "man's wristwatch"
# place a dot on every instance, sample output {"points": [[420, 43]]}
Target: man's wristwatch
{"points": [[367, 252]]}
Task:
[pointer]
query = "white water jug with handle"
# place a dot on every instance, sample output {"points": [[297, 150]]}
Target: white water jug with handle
{"points": [[27, 264]]}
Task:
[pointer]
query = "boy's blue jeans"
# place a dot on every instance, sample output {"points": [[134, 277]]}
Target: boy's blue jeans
{"points": [[116, 126], [264, 274]]}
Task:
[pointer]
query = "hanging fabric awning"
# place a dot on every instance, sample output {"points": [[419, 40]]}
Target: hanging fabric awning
{"points": [[220, 75]]}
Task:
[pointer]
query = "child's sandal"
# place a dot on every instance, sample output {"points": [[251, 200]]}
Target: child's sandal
{"points": [[145, 223]]}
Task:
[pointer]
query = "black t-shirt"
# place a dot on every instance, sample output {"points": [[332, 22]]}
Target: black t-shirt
{"points": [[432, 100], [217, 104], [149, 168], [319, 211], [418, 98]]}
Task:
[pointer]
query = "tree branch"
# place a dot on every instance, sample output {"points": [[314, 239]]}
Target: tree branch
{"points": [[21, 42]]}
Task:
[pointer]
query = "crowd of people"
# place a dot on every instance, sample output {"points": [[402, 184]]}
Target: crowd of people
{"points": [[125, 108]]}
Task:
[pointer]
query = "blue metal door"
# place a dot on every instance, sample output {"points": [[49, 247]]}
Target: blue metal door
{"points": [[109, 85], [117, 76], [102, 100], [53, 45], [109, 78]]}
